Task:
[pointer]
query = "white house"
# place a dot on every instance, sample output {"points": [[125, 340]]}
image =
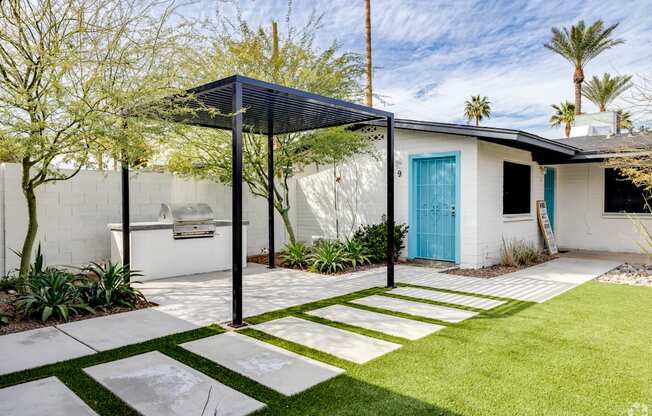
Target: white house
{"points": [[462, 189]]}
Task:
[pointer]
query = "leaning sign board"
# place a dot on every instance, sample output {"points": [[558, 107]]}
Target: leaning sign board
{"points": [[546, 227]]}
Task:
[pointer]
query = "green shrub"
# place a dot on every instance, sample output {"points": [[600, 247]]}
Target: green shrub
{"points": [[328, 257], [52, 293], [110, 286], [9, 283], [374, 238], [296, 255], [519, 253], [4, 319], [356, 252]]}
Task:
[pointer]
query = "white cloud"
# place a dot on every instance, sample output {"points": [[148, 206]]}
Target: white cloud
{"points": [[432, 55]]}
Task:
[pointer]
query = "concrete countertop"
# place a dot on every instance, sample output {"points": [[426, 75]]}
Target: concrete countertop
{"points": [[156, 225]]}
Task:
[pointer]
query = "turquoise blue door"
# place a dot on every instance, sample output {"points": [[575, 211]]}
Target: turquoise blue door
{"points": [[549, 193], [433, 225]]}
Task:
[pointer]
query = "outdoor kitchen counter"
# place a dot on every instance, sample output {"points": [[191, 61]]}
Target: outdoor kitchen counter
{"points": [[156, 254], [157, 225]]}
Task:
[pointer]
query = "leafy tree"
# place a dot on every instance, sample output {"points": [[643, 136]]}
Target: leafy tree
{"points": [[71, 71], [209, 156], [292, 60], [477, 108], [602, 91], [564, 114], [579, 45]]}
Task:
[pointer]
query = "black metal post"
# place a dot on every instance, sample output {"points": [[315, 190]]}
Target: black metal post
{"points": [[126, 231], [271, 260], [390, 201], [236, 203]]}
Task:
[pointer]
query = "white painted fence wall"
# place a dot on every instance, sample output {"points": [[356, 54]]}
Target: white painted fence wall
{"points": [[73, 214]]}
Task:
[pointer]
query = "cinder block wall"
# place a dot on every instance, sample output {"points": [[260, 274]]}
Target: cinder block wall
{"points": [[73, 215], [493, 225]]}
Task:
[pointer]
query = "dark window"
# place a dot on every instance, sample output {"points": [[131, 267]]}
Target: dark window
{"points": [[516, 188], [621, 195]]}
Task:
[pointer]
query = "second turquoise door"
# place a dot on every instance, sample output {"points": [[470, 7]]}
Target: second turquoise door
{"points": [[435, 210]]}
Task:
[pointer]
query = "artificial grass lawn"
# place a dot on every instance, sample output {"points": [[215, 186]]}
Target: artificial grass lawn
{"points": [[586, 352]]}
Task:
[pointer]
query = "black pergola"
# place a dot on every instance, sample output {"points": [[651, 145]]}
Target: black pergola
{"points": [[270, 109]]}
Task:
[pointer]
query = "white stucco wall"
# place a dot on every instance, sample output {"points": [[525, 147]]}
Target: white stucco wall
{"points": [[73, 214], [581, 222], [493, 225], [362, 190]]}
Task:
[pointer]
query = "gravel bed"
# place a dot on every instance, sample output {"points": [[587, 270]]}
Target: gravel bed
{"points": [[629, 274]]}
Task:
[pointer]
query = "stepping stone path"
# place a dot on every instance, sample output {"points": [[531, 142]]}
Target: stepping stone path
{"points": [[156, 385], [48, 396], [37, 347], [455, 299], [343, 344], [387, 324], [127, 328], [426, 310], [281, 370]]}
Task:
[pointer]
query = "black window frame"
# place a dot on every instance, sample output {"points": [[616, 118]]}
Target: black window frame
{"points": [[515, 200], [621, 198]]}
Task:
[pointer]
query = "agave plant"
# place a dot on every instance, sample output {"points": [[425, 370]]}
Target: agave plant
{"points": [[296, 255], [110, 286], [52, 293], [356, 252], [328, 257]]}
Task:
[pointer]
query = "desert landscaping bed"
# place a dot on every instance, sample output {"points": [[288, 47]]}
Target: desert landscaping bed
{"points": [[629, 274], [498, 269], [18, 324]]}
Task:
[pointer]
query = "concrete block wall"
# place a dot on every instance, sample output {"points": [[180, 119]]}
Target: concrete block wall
{"points": [[73, 215], [581, 222], [493, 225]]}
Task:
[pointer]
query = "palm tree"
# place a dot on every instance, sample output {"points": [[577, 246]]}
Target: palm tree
{"points": [[602, 92], [477, 108], [579, 45], [367, 24], [564, 114], [624, 119]]}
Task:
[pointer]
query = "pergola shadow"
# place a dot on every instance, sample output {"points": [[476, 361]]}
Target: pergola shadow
{"points": [[270, 109]]}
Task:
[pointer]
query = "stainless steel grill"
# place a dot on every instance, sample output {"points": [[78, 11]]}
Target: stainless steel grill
{"points": [[189, 220]]}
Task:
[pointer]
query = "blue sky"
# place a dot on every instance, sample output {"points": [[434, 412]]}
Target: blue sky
{"points": [[430, 56]]}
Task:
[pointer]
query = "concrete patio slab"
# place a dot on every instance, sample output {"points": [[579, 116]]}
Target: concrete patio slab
{"points": [[127, 328], [567, 270], [48, 396], [533, 284], [343, 344], [156, 385], [206, 298], [38, 347], [281, 370], [452, 298], [426, 310], [387, 324]]}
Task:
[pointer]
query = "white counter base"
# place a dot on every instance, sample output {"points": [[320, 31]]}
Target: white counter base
{"points": [[156, 255]]}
